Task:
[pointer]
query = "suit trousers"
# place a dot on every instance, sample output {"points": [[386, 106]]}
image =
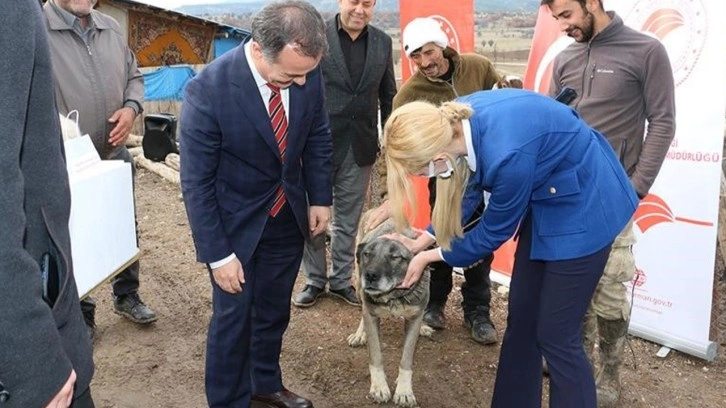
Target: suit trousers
{"points": [[350, 187], [246, 329], [547, 304]]}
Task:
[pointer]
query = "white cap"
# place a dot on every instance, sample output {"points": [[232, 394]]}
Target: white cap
{"points": [[421, 31]]}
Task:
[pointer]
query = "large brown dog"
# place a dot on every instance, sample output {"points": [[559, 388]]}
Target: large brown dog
{"points": [[381, 266]]}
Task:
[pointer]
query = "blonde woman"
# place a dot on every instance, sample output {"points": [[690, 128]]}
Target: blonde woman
{"points": [[556, 183]]}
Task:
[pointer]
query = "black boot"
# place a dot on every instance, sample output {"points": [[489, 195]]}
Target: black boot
{"points": [[476, 294], [88, 308], [434, 315], [482, 328], [133, 308]]}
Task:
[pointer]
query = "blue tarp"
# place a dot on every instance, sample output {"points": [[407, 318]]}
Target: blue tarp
{"points": [[222, 45], [233, 38], [167, 83]]}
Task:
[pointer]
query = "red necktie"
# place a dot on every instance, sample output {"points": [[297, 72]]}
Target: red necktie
{"points": [[279, 126]]}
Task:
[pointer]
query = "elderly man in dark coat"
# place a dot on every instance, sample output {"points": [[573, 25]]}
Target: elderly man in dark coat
{"points": [[45, 353]]}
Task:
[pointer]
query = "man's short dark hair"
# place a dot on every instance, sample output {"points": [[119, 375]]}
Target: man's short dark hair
{"points": [[289, 22], [582, 3]]}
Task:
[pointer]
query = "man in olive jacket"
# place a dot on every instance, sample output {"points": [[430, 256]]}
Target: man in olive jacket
{"points": [[45, 354]]}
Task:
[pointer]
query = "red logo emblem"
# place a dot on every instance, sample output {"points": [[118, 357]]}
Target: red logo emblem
{"points": [[653, 210], [662, 22]]}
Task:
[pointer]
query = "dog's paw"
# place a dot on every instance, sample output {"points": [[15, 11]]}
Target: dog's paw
{"points": [[405, 400], [380, 393], [404, 391], [379, 386], [426, 331], [357, 339]]}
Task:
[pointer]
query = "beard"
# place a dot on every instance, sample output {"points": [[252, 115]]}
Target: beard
{"points": [[586, 30]]}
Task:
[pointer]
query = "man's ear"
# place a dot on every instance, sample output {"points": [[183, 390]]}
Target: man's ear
{"points": [[593, 6]]}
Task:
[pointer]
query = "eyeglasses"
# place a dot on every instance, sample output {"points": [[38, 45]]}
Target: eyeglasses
{"points": [[432, 170]]}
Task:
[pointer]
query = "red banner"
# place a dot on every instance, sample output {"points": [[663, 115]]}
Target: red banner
{"points": [[457, 21], [547, 42], [456, 18]]}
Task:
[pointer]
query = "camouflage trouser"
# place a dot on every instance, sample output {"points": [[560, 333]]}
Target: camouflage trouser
{"points": [[610, 300]]}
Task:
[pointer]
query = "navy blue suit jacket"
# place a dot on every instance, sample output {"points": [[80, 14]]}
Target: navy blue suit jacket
{"points": [[230, 162], [535, 154]]}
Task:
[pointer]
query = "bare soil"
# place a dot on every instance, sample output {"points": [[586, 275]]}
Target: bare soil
{"points": [[163, 365]]}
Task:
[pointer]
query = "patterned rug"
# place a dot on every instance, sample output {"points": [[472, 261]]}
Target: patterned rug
{"points": [[157, 40]]}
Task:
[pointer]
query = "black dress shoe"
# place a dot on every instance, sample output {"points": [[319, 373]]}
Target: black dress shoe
{"points": [[347, 294], [283, 399], [307, 297]]}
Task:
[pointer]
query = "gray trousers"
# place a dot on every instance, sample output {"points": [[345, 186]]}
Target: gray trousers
{"points": [[350, 187]]}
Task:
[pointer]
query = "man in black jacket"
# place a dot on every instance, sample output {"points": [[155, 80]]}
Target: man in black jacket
{"points": [[359, 80]]}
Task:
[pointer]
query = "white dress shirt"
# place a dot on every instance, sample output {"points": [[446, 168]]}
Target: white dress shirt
{"points": [[265, 93]]}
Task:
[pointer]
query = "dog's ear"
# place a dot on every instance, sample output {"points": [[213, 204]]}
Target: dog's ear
{"points": [[409, 233], [359, 251]]}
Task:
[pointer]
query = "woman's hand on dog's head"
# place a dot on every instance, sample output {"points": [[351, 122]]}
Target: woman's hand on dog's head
{"points": [[377, 216], [417, 266], [417, 245], [406, 241]]}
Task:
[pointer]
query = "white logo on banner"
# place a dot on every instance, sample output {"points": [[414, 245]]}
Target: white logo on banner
{"points": [[681, 25]]}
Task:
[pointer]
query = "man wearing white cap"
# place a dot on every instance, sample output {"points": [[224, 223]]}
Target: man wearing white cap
{"points": [[442, 75]]}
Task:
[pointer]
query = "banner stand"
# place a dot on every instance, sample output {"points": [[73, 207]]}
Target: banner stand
{"points": [[707, 351]]}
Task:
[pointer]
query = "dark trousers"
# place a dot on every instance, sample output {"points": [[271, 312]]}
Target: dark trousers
{"points": [[126, 282], [246, 329], [547, 304], [83, 400], [475, 291]]}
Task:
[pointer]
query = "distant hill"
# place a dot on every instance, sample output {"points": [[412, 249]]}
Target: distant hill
{"points": [[251, 6]]}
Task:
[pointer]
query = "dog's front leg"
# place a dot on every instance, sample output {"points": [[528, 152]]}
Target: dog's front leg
{"points": [[379, 387], [358, 338], [404, 390]]}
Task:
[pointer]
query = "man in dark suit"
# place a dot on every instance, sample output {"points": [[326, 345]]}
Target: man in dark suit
{"points": [[45, 354], [359, 79], [256, 158]]}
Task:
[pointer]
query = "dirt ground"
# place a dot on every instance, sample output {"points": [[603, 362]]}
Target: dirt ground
{"points": [[163, 365]]}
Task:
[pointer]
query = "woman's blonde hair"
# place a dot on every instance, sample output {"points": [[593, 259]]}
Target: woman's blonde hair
{"points": [[413, 135]]}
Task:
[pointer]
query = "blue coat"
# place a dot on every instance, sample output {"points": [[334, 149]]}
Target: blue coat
{"points": [[230, 162], [535, 154]]}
